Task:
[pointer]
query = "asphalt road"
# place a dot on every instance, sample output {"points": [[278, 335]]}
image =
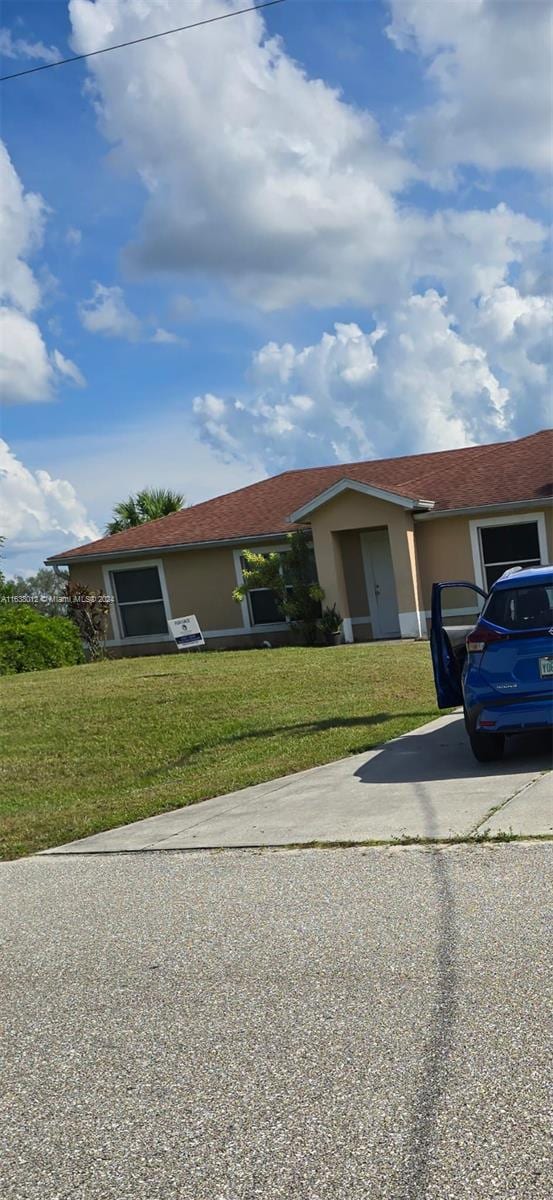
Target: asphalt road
{"points": [[317, 1024]]}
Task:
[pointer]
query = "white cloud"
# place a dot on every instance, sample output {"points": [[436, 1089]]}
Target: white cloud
{"points": [[106, 312], [28, 372], [253, 171], [22, 216], [490, 63], [257, 175], [11, 47], [39, 514], [68, 368], [415, 386], [165, 338]]}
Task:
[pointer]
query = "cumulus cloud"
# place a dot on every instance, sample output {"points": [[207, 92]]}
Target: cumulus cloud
{"points": [[22, 216], [490, 64], [267, 179], [28, 371], [106, 312], [416, 384], [39, 514], [11, 47], [253, 171]]}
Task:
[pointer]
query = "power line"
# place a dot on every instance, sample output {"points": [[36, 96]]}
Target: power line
{"points": [[149, 38]]}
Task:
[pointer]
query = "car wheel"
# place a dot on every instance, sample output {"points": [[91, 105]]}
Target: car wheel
{"points": [[487, 747]]}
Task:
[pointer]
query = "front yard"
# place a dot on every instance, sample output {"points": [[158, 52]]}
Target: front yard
{"points": [[88, 748]]}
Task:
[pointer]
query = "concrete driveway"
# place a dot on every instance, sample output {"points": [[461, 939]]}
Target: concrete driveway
{"points": [[423, 785]]}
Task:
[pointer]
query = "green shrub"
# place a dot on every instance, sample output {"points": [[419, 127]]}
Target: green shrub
{"points": [[30, 641]]}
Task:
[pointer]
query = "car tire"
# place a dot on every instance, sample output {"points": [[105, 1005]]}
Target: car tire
{"points": [[487, 747]]}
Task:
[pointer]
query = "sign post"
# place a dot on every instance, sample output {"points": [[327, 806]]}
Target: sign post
{"points": [[186, 632]]}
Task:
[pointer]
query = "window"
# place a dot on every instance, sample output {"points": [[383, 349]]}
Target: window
{"points": [[521, 607], [262, 602], [139, 602], [504, 546]]}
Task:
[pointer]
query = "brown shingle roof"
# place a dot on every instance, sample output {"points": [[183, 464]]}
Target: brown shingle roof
{"points": [[501, 473]]}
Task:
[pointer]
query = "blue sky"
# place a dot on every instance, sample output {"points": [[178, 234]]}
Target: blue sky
{"points": [[253, 254]]}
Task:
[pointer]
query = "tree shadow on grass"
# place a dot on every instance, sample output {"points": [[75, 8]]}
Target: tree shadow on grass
{"points": [[301, 728]]}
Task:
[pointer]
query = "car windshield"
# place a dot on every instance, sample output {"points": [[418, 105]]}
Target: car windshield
{"points": [[521, 607]]}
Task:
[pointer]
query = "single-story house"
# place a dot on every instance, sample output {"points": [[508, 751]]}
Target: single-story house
{"points": [[383, 532]]}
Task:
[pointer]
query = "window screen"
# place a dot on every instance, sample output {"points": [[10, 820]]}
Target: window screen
{"points": [[140, 602], [505, 546]]}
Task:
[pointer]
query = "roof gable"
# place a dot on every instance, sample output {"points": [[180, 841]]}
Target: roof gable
{"points": [[366, 489]]}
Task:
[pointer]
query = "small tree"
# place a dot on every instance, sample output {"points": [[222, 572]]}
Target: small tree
{"points": [[89, 609], [290, 577]]}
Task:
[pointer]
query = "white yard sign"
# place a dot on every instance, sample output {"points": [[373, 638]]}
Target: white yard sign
{"points": [[186, 632]]}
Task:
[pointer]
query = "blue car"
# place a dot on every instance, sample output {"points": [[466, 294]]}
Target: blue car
{"points": [[501, 669]]}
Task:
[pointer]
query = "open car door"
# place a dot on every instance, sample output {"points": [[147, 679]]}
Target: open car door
{"points": [[447, 643]]}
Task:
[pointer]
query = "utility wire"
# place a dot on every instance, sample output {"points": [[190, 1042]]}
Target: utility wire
{"points": [[237, 12]]}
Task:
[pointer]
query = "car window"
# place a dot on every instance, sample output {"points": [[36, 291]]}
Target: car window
{"points": [[521, 607]]}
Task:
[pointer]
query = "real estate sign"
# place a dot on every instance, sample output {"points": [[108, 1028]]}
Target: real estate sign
{"points": [[186, 632]]}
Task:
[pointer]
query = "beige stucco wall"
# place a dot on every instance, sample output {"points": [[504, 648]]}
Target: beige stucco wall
{"points": [[353, 511], [444, 547], [352, 558], [443, 552], [198, 581], [201, 582]]}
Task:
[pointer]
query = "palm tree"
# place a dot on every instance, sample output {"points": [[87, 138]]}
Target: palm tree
{"points": [[147, 505]]}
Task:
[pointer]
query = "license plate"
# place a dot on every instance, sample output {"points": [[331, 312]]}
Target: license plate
{"points": [[546, 666]]}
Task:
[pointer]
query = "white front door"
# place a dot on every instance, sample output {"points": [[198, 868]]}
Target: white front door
{"points": [[380, 583]]}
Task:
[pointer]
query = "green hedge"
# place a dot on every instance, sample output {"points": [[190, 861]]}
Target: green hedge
{"points": [[29, 641]]}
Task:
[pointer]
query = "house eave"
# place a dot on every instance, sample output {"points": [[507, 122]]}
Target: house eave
{"points": [[57, 560], [476, 510]]}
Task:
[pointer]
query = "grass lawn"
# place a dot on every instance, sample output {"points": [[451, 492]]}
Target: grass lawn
{"points": [[91, 747]]}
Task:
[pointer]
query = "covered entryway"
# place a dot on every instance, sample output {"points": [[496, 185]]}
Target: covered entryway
{"points": [[364, 543], [380, 583]]}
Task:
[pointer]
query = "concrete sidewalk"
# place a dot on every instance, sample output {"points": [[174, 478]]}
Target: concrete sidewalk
{"points": [[425, 784]]}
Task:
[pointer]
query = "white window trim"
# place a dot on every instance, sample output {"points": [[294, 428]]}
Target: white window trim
{"points": [[528, 518], [119, 639]]}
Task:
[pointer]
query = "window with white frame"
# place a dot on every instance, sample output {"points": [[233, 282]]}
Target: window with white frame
{"points": [[509, 545], [140, 604]]}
